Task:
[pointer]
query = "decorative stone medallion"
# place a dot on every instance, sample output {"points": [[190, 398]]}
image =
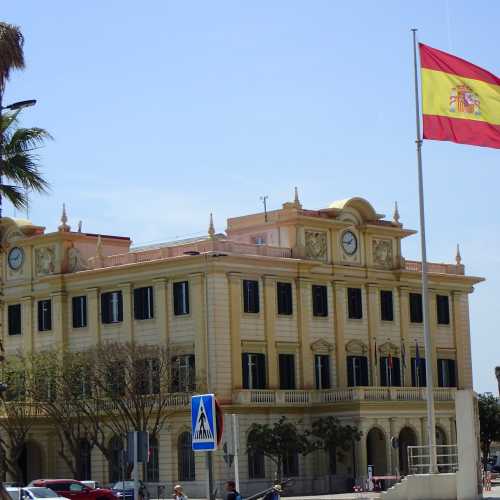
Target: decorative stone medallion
{"points": [[382, 253], [316, 245], [45, 260]]}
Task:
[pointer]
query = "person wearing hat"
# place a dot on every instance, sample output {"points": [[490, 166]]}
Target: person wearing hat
{"points": [[178, 493], [275, 493]]}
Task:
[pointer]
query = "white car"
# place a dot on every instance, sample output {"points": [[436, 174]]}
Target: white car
{"points": [[33, 493]]}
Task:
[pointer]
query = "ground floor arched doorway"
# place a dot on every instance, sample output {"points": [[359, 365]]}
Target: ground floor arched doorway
{"points": [[407, 437], [376, 451], [30, 462]]}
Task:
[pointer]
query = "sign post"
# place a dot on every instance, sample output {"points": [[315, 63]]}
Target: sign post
{"points": [[235, 430], [204, 431]]}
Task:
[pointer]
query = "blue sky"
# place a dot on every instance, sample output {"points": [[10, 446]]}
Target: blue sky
{"points": [[165, 111]]}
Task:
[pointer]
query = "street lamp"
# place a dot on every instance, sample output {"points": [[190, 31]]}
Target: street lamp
{"points": [[15, 106]]}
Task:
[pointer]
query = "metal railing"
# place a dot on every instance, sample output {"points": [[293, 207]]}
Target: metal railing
{"points": [[419, 459]]}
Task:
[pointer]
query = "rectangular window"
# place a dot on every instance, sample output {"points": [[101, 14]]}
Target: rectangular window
{"points": [[44, 315], [386, 305], [250, 296], [320, 300], [254, 370], [147, 375], [357, 371], [418, 374], [443, 309], [115, 381], [390, 373], [112, 307], [322, 371], [287, 371], [256, 465], [183, 373], [143, 303], [416, 311], [354, 303], [284, 291], [181, 298], [14, 319], [79, 311], [447, 373]]}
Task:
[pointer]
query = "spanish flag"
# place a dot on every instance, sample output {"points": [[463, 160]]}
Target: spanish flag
{"points": [[460, 101]]}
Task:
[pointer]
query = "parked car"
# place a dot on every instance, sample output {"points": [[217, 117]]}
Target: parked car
{"points": [[32, 493], [75, 490], [125, 490]]}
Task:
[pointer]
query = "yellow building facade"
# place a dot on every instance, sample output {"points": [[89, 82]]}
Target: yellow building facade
{"points": [[295, 312]]}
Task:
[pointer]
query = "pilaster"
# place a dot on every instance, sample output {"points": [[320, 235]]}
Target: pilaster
{"points": [[59, 318], [235, 309], [404, 322], [461, 333], [128, 311], [393, 455], [303, 321], [161, 308], [372, 331], [197, 298], [27, 324], [339, 293], [94, 315], [433, 325], [269, 325]]}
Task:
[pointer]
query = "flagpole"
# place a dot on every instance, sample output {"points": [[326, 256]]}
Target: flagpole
{"points": [[431, 425]]}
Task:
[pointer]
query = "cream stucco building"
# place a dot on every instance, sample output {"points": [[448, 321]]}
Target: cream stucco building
{"points": [[293, 312]]}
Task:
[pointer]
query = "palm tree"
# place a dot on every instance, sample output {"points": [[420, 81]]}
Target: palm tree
{"points": [[18, 162]]}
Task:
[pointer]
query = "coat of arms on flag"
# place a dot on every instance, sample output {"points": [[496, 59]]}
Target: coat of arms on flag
{"points": [[464, 100]]}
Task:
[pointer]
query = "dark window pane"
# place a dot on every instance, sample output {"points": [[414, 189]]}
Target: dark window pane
{"points": [[357, 371], [446, 373], [254, 370], [256, 465], [284, 291], [181, 298], [143, 303], [416, 314], [85, 463], [322, 371], [112, 307], [418, 373], [115, 459], [443, 309], [386, 305], [250, 296], [390, 372], [287, 371], [354, 303], [153, 465], [320, 300], [79, 309], [291, 464], [14, 319]]}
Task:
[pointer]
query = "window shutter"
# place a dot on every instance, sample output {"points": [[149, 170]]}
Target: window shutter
{"points": [[325, 372], [396, 372], [192, 372], [416, 312], [413, 373], [138, 303], [40, 316], [186, 292], [287, 371], [386, 305], [84, 310], [261, 371], [354, 303], [151, 302], [244, 371], [383, 372], [441, 370], [255, 296], [120, 306], [48, 323], [364, 370], [75, 311], [443, 309], [105, 308], [175, 374], [452, 373], [350, 371], [423, 375]]}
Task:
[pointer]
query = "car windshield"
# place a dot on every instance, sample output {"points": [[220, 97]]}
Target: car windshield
{"points": [[124, 485], [43, 492]]}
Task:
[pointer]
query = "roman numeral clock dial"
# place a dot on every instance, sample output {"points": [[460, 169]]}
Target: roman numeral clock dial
{"points": [[349, 242]]}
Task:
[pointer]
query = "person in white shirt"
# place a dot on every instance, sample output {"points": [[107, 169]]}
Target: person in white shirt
{"points": [[178, 493]]}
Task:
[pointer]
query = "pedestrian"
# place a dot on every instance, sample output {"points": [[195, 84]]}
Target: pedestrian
{"points": [[178, 493], [231, 492]]}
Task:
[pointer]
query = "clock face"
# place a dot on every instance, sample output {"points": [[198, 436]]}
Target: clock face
{"points": [[349, 243], [16, 258]]}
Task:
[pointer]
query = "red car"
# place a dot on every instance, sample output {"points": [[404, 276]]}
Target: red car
{"points": [[75, 490]]}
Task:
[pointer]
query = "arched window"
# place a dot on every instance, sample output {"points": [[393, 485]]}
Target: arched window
{"points": [[116, 458], [153, 467], [85, 463], [185, 455]]}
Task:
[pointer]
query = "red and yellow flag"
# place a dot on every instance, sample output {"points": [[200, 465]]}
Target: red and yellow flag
{"points": [[460, 101]]}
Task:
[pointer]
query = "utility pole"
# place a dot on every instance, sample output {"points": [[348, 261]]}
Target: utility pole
{"points": [[264, 201]]}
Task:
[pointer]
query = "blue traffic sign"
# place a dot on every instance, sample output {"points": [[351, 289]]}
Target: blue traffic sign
{"points": [[203, 422]]}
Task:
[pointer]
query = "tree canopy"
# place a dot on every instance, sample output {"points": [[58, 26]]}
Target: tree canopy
{"points": [[489, 421]]}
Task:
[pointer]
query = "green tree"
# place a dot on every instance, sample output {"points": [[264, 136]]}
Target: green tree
{"points": [[278, 442], [19, 163], [330, 435], [489, 421]]}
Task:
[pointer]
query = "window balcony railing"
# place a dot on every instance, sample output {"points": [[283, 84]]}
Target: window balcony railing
{"points": [[260, 397]]}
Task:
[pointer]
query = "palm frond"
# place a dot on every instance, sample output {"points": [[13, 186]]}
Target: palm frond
{"points": [[22, 168], [15, 195], [11, 50], [7, 120], [25, 139]]}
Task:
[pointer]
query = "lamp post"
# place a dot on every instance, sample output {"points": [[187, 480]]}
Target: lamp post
{"points": [[15, 106]]}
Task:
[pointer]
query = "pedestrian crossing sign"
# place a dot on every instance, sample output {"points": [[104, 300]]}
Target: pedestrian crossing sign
{"points": [[203, 422]]}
